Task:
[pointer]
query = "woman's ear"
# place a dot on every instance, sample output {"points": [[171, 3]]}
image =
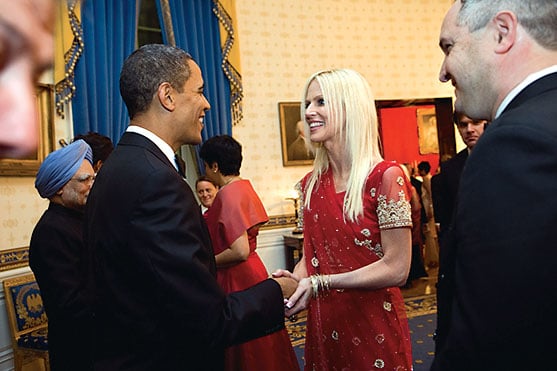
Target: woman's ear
{"points": [[214, 167]]}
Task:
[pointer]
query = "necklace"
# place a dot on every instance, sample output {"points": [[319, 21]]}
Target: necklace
{"points": [[230, 180]]}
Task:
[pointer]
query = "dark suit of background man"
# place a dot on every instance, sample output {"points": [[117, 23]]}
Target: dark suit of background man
{"points": [[444, 186], [501, 57], [156, 301], [65, 179]]}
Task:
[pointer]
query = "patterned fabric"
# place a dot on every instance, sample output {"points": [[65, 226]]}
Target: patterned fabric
{"points": [[29, 306], [355, 329], [37, 339]]}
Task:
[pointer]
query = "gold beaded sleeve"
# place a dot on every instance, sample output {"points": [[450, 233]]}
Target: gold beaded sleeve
{"points": [[393, 203]]}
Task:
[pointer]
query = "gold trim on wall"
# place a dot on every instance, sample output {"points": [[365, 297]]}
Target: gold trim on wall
{"points": [[30, 165], [280, 221], [14, 258]]}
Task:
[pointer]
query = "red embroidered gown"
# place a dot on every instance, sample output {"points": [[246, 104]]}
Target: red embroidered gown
{"points": [[235, 210], [355, 329]]}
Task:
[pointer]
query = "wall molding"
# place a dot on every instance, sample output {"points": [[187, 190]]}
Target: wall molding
{"points": [[14, 258], [19, 257], [280, 221]]}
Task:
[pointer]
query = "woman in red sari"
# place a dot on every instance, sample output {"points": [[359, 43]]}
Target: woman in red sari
{"points": [[357, 234], [233, 221]]}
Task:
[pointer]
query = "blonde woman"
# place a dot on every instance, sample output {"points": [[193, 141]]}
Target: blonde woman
{"points": [[357, 234]]}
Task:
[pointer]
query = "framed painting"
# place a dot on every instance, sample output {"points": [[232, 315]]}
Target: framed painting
{"points": [[427, 131], [294, 151], [29, 165]]}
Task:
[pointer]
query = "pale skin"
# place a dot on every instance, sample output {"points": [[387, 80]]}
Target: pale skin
{"points": [[486, 65], [392, 269], [26, 51], [206, 192]]}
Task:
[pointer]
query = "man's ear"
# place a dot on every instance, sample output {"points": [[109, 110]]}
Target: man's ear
{"points": [[165, 93], [505, 30], [97, 166], [214, 167]]}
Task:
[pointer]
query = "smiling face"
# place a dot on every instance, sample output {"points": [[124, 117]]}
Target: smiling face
{"points": [[321, 128], [191, 106], [26, 51], [467, 66], [206, 191]]}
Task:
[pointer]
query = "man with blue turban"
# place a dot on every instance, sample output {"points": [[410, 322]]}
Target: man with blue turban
{"points": [[65, 179]]}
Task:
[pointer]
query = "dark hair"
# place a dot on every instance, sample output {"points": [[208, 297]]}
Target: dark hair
{"points": [[204, 178], [457, 117], [425, 166], [101, 145], [148, 67], [225, 151]]}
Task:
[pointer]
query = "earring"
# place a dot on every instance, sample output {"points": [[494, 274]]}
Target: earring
{"points": [[214, 171]]}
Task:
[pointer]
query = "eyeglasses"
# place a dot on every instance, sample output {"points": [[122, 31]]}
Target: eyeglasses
{"points": [[85, 178]]}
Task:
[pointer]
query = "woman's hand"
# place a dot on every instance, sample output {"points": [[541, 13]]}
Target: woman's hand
{"points": [[300, 299]]}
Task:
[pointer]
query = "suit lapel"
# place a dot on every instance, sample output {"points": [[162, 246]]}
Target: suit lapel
{"points": [[137, 140]]}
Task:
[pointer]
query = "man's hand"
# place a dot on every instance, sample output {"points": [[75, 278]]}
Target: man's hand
{"points": [[287, 285]]}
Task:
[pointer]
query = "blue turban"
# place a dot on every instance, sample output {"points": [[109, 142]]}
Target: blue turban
{"points": [[60, 166]]}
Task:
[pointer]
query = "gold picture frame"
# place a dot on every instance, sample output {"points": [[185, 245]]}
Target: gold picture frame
{"points": [[427, 131], [289, 115], [30, 165]]}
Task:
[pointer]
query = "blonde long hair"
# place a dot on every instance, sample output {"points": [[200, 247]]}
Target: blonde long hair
{"points": [[350, 106]]}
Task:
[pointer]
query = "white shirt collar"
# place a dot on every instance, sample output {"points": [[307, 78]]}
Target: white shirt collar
{"points": [[161, 144], [527, 81]]}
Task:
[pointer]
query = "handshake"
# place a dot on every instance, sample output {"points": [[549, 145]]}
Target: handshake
{"points": [[296, 291]]}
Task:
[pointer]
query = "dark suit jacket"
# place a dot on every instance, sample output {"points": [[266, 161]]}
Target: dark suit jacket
{"points": [[503, 290], [444, 188], [152, 281], [55, 257]]}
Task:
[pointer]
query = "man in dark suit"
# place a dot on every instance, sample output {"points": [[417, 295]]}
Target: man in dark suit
{"points": [[65, 179], [156, 301], [444, 186], [501, 57]]}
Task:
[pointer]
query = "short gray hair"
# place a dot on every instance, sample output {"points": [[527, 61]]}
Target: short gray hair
{"points": [[538, 17]]}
